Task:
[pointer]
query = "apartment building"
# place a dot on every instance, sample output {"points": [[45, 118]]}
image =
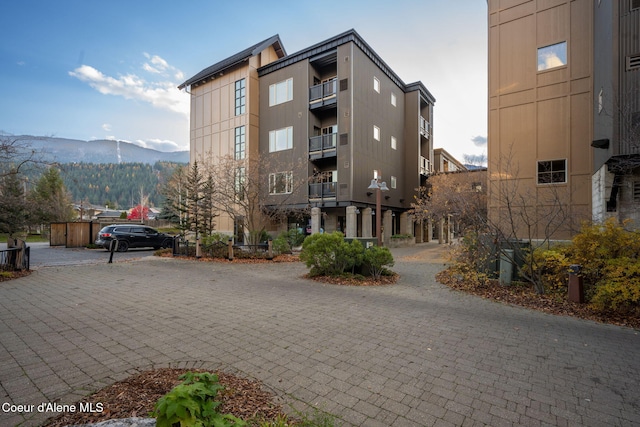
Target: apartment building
{"points": [[563, 76], [324, 122]]}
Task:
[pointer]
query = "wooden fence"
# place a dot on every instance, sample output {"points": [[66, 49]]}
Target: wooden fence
{"points": [[73, 234]]}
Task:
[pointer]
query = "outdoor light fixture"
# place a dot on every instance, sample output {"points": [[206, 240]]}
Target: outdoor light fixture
{"points": [[379, 187]]}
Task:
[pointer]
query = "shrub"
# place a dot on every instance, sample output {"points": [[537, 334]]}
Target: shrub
{"points": [[376, 258], [549, 268], [281, 245], [327, 254], [191, 403], [620, 286]]}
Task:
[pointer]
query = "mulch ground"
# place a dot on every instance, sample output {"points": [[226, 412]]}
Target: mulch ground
{"points": [[137, 395], [524, 295]]}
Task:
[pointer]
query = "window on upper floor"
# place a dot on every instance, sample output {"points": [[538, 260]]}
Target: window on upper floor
{"points": [[552, 171], [241, 98], [281, 182], [393, 99], [281, 139], [394, 182], [376, 133], [281, 92], [394, 143], [552, 56], [239, 183], [376, 84], [633, 62], [240, 143]]}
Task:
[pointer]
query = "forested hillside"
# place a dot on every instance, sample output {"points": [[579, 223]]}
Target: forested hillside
{"points": [[118, 185]]}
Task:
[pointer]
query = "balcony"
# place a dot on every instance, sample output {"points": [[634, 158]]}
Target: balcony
{"points": [[425, 127], [323, 95], [322, 190], [425, 166], [323, 146]]}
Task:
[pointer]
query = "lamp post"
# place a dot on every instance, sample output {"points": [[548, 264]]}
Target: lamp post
{"points": [[379, 187]]}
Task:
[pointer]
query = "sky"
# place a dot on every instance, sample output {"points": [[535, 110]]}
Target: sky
{"points": [[88, 69]]}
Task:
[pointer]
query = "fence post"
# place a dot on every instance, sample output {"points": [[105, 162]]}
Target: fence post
{"points": [[576, 287], [270, 249], [112, 246]]}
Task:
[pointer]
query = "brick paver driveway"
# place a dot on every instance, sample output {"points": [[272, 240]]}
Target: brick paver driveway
{"points": [[413, 354]]}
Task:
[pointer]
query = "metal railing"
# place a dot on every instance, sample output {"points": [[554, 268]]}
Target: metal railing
{"points": [[425, 127], [322, 190], [425, 166], [322, 91], [321, 143]]}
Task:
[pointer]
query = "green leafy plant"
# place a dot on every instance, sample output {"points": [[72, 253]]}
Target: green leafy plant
{"points": [[377, 258], [191, 404], [327, 254]]}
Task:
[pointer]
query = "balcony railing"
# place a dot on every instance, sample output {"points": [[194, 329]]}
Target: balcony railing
{"points": [[323, 145], [323, 94], [425, 166], [322, 190], [425, 127]]}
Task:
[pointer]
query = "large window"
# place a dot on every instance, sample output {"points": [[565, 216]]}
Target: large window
{"points": [[552, 171], [240, 143], [239, 184], [241, 98], [281, 139], [281, 182], [552, 56], [281, 92]]}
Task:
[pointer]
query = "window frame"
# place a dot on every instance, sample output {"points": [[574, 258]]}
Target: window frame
{"points": [[240, 143], [394, 99], [287, 85], [551, 171], [543, 49], [393, 182], [273, 139], [274, 183], [394, 143], [240, 97], [376, 84], [376, 133]]}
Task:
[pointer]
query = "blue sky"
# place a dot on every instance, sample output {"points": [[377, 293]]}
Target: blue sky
{"points": [[87, 69]]}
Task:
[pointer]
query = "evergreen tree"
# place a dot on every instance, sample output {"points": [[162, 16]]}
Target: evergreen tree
{"points": [[49, 200], [13, 206]]}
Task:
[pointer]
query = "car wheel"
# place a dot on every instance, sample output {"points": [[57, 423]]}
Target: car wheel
{"points": [[167, 243], [123, 246]]}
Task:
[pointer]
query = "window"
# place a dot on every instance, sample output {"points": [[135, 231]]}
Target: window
{"points": [[552, 56], [241, 98], [636, 191], [281, 139], [600, 102], [240, 143], [393, 99], [376, 84], [635, 4], [376, 174], [552, 171], [394, 143], [281, 182], [239, 186], [376, 133], [394, 182], [281, 92]]}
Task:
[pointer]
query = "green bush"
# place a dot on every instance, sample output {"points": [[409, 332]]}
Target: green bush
{"points": [[549, 268], [376, 259], [191, 404], [327, 254], [281, 245]]}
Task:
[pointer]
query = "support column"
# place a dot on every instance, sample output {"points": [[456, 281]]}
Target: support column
{"points": [[429, 229], [405, 224], [315, 220], [351, 230], [387, 225], [441, 231], [366, 223]]}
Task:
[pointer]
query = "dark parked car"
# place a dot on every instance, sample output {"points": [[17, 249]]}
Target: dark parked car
{"points": [[133, 236]]}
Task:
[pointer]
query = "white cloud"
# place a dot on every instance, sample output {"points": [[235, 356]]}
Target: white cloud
{"points": [[479, 141], [162, 94], [106, 127]]}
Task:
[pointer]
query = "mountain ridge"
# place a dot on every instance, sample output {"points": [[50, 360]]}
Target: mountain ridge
{"points": [[67, 150]]}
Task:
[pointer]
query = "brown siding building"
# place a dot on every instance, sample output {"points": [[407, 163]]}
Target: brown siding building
{"points": [[563, 78], [324, 122]]}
